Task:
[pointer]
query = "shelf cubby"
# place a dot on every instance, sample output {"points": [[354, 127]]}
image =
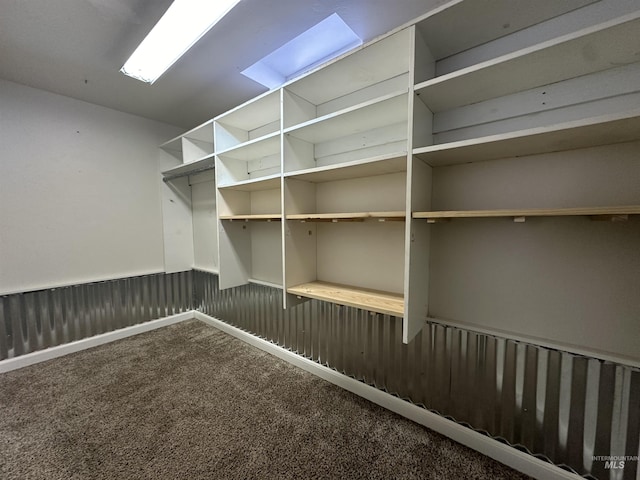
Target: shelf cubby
{"points": [[372, 300], [258, 118], [382, 68], [589, 132], [579, 53], [374, 128], [254, 160]]}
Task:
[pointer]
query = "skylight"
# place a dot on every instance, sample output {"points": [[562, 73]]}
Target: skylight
{"points": [[324, 41], [182, 25]]}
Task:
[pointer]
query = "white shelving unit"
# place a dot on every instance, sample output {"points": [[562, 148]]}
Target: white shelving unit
{"points": [[480, 110]]}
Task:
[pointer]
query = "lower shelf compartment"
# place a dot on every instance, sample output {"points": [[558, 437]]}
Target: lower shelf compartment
{"points": [[372, 300]]}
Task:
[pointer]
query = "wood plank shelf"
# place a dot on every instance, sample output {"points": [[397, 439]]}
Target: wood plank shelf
{"points": [[373, 300], [348, 217], [265, 217], [601, 130], [535, 66], [602, 213]]}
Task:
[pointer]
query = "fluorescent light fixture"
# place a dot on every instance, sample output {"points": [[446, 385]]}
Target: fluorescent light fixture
{"points": [[324, 41], [182, 25]]}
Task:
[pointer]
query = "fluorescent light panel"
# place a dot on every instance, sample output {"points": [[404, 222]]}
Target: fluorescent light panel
{"points": [[324, 41], [182, 25]]}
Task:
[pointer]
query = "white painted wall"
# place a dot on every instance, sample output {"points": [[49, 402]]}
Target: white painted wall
{"points": [[79, 191]]}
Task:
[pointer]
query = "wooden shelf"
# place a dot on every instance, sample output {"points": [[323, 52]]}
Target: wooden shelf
{"points": [[347, 217], [264, 217], [613, 213], [387, 110], [380, 165], [545, 63], [591, 132], [372, 300]]}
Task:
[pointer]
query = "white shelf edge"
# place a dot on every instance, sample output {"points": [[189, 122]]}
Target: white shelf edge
{"points": [[251, 181], [248, 143], [519, 54], [346, 165], [185, 167], [344, 111], [532, 132]]}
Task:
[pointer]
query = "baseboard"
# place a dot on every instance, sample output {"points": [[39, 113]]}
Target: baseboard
{"points": [[72, 347], [505, 454]]}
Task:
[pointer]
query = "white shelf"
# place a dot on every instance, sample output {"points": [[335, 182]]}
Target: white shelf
{"points": [[269, 182], [373, 300], [602, 130], [387, 110], [480, 21], [260, 147], [253, 114], [587, 51], [185, 168], [380, 165]]}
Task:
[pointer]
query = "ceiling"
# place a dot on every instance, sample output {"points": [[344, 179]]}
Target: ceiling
{"points": [[77, 47]]}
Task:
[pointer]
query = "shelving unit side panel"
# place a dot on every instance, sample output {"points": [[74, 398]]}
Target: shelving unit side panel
{"points": [[300, 253], [264, 166], [417, 251], [205, 236], [235, 253], [367, 194], [266, 252], [230, 170], [423, 119], [265, 201], [177, 225], [424, 63], [367, 255]]}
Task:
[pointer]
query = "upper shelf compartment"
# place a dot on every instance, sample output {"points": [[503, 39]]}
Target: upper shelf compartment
{"points": [[589, 50], [249, 122], [192, 146], [373, 71], [590, 132], [477, 22]]}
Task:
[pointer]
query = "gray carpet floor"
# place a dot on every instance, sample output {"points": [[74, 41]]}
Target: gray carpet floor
{"points": [[190, 402]]}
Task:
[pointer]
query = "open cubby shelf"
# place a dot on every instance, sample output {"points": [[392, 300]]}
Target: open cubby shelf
{"points": [[473, 104], [373, 300]]}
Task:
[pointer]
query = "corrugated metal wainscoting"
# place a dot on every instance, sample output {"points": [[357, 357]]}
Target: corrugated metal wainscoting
{"points": [[559, 406], [45, 318]]}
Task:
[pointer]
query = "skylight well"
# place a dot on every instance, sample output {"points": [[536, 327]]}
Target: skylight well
{"points": [[324, 41], [182, 25]]}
